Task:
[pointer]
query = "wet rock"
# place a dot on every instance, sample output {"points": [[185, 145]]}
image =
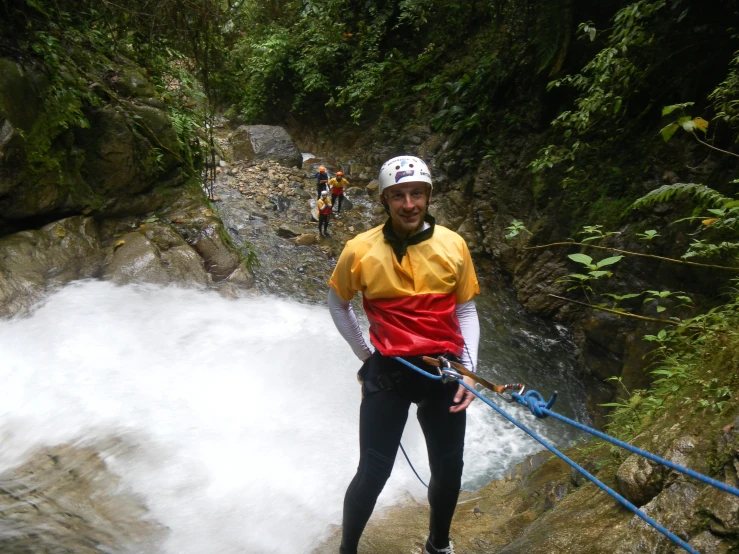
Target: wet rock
{"points": [[354, 192], [289, 231], [722, 510], [161, 133], [65, 499], [673, 508], [220, 261], [136, 259], [306, 239], [707, 543], [132, 82], [112, 161], [242, 277], [265, 142], [639, 479], [34, 261], [576, 525], [577, 478]]}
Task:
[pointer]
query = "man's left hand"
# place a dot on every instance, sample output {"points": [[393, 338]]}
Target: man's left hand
{"points": [[463, 397]]}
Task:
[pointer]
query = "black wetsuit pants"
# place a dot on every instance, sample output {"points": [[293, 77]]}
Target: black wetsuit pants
{"points": [[333, 200], [323, 223], [382, 417]]}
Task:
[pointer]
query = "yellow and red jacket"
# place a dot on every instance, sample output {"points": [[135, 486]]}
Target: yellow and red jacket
{"points": [[337, 187], [324, 207], [410, 302]]}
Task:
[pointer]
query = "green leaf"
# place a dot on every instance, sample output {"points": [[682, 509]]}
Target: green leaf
{"points": [[608, 261], [581, 258], [660, 309], [667, 110], [668, 131], [597, 274]]}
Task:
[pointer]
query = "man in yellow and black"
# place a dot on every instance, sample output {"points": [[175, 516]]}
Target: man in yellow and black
{"points": [[418, 283], [337, 185], [324, 213]]}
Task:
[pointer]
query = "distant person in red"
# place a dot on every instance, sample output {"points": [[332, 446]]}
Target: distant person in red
{"points": [[324, 213], [337, 185]]}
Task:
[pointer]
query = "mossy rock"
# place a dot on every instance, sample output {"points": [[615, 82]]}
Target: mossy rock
{"points": [[19, 96], [132, 82]]}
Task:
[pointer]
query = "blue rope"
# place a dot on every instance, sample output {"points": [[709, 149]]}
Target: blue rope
{"points": [[534, 401], [413, 468]]}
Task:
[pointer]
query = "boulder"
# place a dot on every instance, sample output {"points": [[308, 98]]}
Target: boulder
{"points": [[673, 508], [306, 239], [33, 261], [134, 258], [132, 82], [639, 479], [265, 143], [289, 231], [354, 192], [111, 153], [220, 260]]}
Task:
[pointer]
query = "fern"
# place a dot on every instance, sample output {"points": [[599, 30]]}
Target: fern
{"points": [[668, 192]]}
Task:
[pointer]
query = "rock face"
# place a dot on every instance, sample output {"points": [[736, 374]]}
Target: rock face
{"points": [[72, 501], [183, 246], [639, 479], [265, 143], [100, 163], [32, 261]]}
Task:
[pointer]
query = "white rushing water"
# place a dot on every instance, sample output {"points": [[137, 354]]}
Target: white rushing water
{"points": [[242, 414]]}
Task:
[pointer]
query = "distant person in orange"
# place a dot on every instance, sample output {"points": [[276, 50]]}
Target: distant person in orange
{"points": [[324, 213], [321, 181], [337, 185]]}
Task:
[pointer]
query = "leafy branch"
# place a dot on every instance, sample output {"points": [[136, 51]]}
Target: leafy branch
{"points": [[629, 253]]}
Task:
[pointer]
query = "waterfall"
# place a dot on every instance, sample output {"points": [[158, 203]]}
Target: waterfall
{"points": [[239, 417]]}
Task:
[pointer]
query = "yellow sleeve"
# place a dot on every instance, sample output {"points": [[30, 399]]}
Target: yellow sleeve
{"points": [[345, 278], [467, 285]]}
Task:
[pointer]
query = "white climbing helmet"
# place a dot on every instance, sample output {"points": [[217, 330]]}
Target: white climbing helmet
{"points": [[404, 169], [324, 193]]}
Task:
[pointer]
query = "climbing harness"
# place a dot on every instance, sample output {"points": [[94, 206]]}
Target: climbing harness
{"points": [[541, 409]]}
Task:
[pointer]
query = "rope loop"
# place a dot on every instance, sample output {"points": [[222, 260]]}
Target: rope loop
{"points": [[535, 402]]}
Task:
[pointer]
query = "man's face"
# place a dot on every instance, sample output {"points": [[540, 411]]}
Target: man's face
{"points": [[407, 204]]}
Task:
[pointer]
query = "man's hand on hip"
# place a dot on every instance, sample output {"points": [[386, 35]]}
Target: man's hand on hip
{"points": [[463, 397]]}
